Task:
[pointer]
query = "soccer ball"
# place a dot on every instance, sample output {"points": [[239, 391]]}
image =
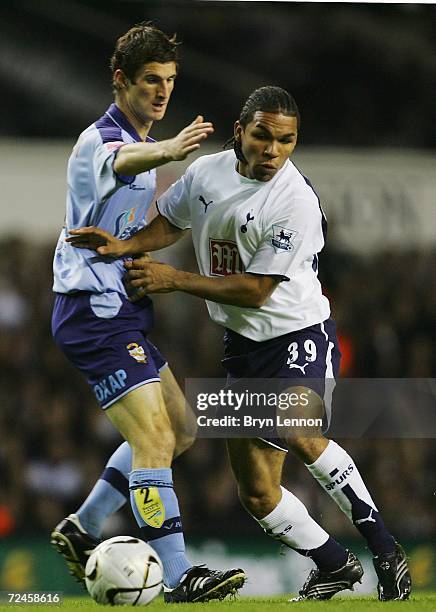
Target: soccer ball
{"points": [[123, 571]]}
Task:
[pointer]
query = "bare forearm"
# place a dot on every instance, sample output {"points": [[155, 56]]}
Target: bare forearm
{"points": [[158, 235], [243, 290], [139, 157], [237, 290]]}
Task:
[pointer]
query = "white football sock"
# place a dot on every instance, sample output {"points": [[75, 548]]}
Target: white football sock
{"points": [[291, 523], [334, 470]]}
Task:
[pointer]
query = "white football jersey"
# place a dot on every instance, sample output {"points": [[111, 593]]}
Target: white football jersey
{"points": [[244, 225]]}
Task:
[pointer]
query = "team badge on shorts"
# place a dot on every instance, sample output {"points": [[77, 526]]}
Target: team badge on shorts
{"points": [[150, 506], [282, 238], [137, 352]]}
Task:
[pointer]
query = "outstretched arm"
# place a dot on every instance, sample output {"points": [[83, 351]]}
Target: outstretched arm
{"points": [[158, 235], [244, 290], [139, 157]]}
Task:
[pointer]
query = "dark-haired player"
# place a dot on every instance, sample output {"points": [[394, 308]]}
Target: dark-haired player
{"points": [[112, 183], [257, 246]]}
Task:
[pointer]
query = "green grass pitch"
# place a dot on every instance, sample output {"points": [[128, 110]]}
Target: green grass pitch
{"points": [[418, 602]]}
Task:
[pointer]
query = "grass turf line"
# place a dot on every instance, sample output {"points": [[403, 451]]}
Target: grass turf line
{"points": [[425, 602]]}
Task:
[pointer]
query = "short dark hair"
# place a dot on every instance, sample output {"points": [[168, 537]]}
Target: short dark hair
{"points": [[268, 99], [142, 44]]}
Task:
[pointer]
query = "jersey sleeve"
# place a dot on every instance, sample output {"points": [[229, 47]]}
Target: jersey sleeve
{"points": [[106, 179], [289, 239], [91, 171], [174, 204]]}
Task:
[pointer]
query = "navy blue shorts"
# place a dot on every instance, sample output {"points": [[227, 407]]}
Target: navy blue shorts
{"points": [[310, 355], [105, 337]]}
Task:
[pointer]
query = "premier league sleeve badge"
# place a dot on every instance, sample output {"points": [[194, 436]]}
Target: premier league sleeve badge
{"points": [[282, 238]]}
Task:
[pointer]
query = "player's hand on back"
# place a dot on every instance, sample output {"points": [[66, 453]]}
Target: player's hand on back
{"points": [[96, 239], [189, 139]]}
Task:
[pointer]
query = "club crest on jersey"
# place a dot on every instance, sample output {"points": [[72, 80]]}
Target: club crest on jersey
{"points": [[137, 352], [248, 217], [282, 238], [224, 258], [126, 217]]}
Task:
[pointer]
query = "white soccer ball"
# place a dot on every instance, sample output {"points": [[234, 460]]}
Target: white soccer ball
{"points": [[123, 571]]}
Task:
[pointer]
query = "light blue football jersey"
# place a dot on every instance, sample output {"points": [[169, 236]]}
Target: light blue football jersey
{"points": [[98, 196]]}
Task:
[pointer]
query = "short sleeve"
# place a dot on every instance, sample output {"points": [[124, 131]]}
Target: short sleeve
{"points": [[174, 203], [288, 240], [106, 179]]}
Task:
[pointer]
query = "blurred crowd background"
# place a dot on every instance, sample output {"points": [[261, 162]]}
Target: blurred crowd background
{"points": [[54, 440], [364, 76]]}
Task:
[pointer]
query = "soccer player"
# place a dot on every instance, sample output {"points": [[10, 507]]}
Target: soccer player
{"points": [[112, 182], [257, 243]]}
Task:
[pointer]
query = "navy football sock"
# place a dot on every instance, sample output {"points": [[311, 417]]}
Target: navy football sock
{"points": [[370, 524], [329, 557]]}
